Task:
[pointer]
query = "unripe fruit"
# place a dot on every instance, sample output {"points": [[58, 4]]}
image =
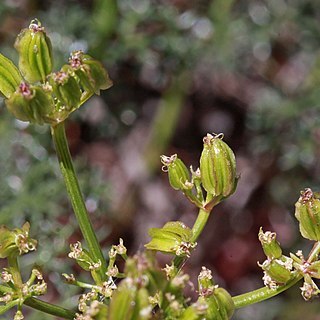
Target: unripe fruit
{"points": [[35, 52], [308, 214], [217, 167]]}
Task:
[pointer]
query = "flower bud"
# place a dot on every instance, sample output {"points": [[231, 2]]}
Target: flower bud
{"points": [[177, 171], [308, 214], [66, 89], [35, 52], [30, 103], [205, 282], [16, 242], [217, 167], [92, 75], [10, 77], [269, 244]]}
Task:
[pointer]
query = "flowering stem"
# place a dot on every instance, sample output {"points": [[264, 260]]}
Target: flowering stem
{"points": [[78, 204], [265, 293], [49, 308], [262, 294], [197, 228]]}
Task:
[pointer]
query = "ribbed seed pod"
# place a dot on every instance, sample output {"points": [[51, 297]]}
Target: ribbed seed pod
{"points": [[35, 52], [308, 214], [30, 103], [217, 167], [270, 245], [10, 77], [177, 171], [66, 89], [92, 75]]}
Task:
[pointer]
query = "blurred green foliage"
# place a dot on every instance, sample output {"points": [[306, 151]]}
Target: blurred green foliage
{"points": [[247, 68]]}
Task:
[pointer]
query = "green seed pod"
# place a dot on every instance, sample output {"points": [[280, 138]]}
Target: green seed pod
{"points": [[35, 52], [92, 75], [278, 270], [30, 103], [308, 214], [66, 89], [220, 305], [177, 172], [217, 167], [10, 77], [269, 244]]}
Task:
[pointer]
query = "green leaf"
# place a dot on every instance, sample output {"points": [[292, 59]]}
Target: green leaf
{"points": [[170, 237]]}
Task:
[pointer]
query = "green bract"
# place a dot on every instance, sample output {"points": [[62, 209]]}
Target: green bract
{"points": [[217, 167], [35, 53], [173, 238], [308, 214], [10, 77]]}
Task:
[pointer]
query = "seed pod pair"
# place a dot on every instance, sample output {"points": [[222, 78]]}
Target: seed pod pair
{"points": [[217, 167], [30, 103], [308, 214], [35, 52]]}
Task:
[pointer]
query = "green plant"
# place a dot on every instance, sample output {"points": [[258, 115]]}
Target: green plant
{"points": [[141, 289]]}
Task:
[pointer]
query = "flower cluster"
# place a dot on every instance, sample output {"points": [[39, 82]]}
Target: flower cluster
{"points": [[36, 94]]}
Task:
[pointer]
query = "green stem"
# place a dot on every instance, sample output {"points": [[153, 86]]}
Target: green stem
{"points": [[5, 289], [49, 308], [314, 252], [262, 294], [197, 228], [199, 224], [78, 204], [8, 306], [15, 271]]}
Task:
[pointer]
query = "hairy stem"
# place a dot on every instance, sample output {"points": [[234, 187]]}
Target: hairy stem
{"points": [[49, 308], [78, 204]]}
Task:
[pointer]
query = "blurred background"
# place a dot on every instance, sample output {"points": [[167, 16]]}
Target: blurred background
{"points": [[249, 69]]}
